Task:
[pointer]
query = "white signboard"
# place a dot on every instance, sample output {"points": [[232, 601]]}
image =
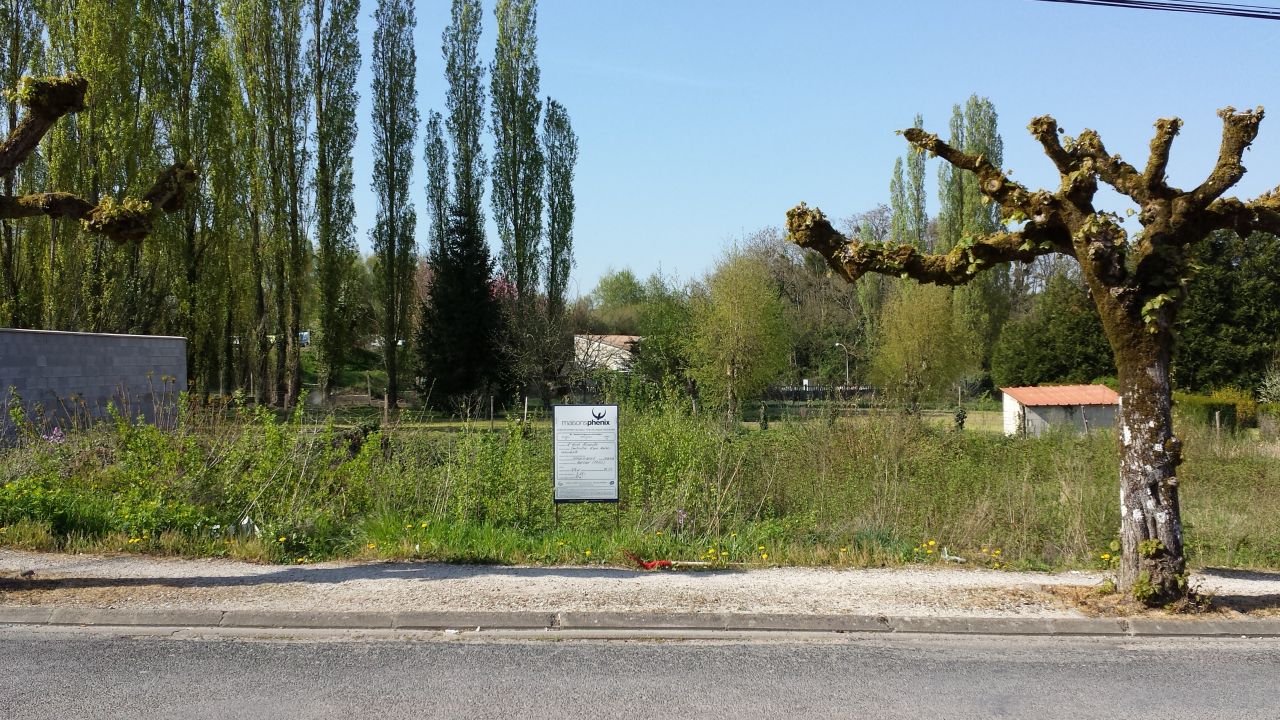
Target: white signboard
{"points": [[586, 453]]}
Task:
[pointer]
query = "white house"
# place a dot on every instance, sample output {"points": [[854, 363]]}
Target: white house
{"points": [[1031, 410], [605, 352]]}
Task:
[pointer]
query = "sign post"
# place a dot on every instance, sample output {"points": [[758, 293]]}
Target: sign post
{"points": [[586, 453]]}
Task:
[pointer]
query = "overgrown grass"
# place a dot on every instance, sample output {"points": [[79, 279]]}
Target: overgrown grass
{"points": [[882, 489]]}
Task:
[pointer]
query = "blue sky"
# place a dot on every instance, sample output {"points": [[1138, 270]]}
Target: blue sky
{"points": [[703, 121]]}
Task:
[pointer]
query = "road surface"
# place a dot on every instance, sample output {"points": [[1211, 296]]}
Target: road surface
{"points": [[102, 673]]}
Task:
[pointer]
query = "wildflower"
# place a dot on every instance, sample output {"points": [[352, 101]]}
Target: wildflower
{"points": [[659, 532], [929, 551], [1106, 556], [280, 539], [760, 548], [733, 535], [424, 523], [764, 556], [984, 549], [997, 566], [844, 550], [932, 543], [588, 553], [373, 546], [996, 551]]}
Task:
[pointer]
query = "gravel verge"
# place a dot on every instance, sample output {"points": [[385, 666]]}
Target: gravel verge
{"points": [[138, 582]]}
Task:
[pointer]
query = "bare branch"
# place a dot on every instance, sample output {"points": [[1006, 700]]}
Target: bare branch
{"points": [[1260, 215], [54, 204], [1238, 132], [1153, 177], [46, 100], [992, 181], [126, 221], [809, 228], [1045, 129], [1115, 172]]}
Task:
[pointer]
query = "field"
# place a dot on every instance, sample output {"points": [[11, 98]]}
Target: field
{"points": [[829, 488]]}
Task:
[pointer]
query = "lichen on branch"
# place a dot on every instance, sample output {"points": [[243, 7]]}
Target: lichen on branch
{"points": [[128, 220], [809, 228]]}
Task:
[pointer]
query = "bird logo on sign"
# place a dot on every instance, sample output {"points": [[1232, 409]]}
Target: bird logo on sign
{"points": [[598, 415]]}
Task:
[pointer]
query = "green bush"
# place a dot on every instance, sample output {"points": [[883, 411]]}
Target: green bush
{"points": [[1201, 409]]}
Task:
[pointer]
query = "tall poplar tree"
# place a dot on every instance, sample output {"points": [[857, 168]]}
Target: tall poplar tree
{"points": [[20, 264], [982, 306], [518, 159], [562, 155], [395, 127], [457, 333], [900, 225], [334, 61], [917, 215], [465, 105]]}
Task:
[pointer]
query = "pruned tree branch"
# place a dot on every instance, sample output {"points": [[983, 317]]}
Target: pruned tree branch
{"points": [[1114, 171], [1045, 129], [809, 228], [1153, 177], [47, 100], [1238, 132]]}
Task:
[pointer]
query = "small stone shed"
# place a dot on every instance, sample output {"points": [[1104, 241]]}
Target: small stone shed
{"points": [[1032, 410], [70, 378]]}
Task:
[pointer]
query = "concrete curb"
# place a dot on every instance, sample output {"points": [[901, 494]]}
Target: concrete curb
{"points": [[614, 621]]}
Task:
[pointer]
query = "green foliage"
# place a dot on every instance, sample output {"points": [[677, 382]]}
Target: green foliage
{"points": [[518, 159], [1060, 341], [1228, 328], [334, 62], [395, 128], [741, 341], [920, 353], [874, 485], [459, 321], [1202, 410], [561, 145]]}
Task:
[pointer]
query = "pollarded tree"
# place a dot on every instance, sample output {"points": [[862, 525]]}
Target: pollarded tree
{"points": [[46, 100], [1137, 285]]}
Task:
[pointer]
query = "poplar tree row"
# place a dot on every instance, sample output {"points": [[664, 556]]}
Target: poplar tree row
{"points": [[260, 98]]}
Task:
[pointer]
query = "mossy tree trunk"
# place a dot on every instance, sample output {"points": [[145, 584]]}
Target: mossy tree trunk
{"points": [[1137, 284], [1152, 563]]}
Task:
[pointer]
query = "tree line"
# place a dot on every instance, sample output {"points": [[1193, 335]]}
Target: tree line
{"points": [[1015, 324], [258, 100]]}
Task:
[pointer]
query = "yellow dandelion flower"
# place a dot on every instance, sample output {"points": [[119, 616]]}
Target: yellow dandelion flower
{"points": [[929, 551], [659, 532], [932, 543], [764, 556], [844, 550], [996, 551], [373, 546], [760, 548], [1106, 556], [424, 524], [280, 539], [588, 552], [984, 548]]}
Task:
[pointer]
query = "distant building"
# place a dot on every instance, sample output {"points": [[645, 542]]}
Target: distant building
{"points": [[1031, 410], [605, 352]]}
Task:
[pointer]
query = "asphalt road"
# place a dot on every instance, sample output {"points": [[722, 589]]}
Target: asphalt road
{"points": [[106, 674]]}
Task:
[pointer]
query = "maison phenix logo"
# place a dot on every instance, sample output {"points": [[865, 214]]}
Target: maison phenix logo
{"points": [[598, 416]]}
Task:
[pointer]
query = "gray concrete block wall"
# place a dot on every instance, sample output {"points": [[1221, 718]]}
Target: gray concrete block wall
{"points": [[71, 378]]}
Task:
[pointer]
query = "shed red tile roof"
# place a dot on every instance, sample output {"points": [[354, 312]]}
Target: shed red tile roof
{"points": [[1064, 395]]}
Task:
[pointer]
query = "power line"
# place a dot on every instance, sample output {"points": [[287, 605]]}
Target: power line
{"points": [[1256, 12]]}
